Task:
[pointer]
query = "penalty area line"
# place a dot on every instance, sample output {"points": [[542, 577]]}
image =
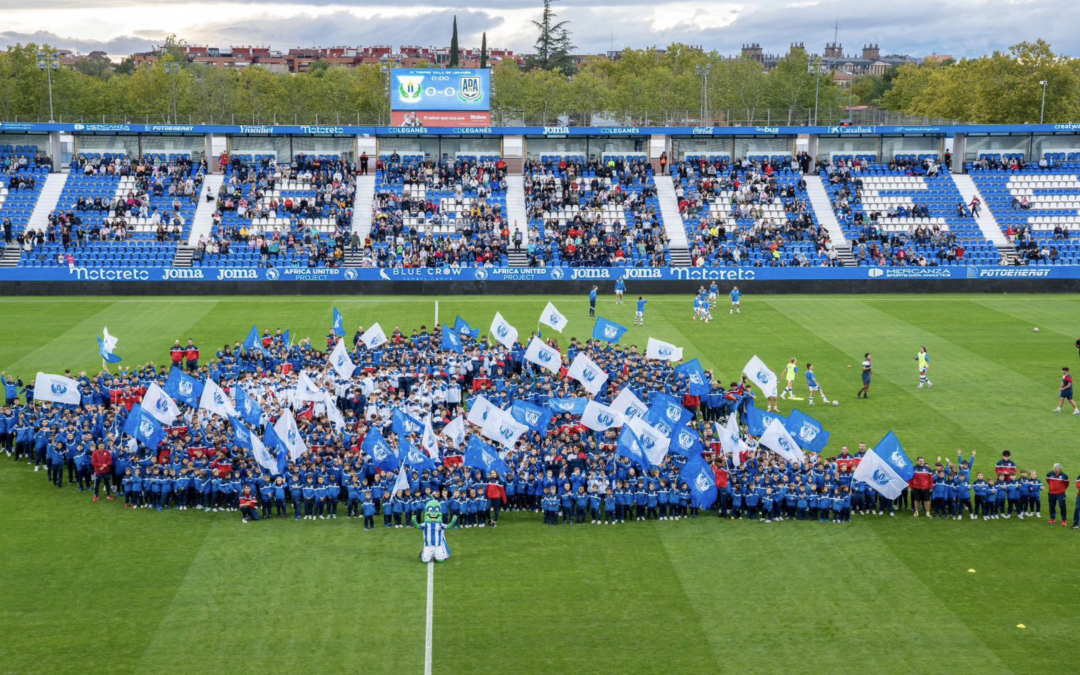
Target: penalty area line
{"points": [[430, 614]]}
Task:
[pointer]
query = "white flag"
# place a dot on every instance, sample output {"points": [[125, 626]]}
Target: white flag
{"points": [[109, 341], [429, 442], [262, 456], [333, 413], [590, 375], [629, 404], [653, 441], [502, 428], [600, 417], [402, 482], [480, 410], [455, 431], [553, 317], [306, 390], [215, 400], [504, 333], [543, 356], [56, 388], [339, 359], [760, 375], [730, 440], [159, 405], [289, 434], [662, 351], [373, 337], [777, 439]]}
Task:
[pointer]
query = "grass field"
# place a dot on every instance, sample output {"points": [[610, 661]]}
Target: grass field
{"points": [[95, 589]]}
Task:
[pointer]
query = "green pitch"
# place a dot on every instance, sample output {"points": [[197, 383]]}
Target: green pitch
{"points": [[92, 588]]}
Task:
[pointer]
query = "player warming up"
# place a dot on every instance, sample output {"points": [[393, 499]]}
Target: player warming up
{"points": [[736, 300], [867, 375], [812, 385], [924, 368], [1065, 392], [435, 547], [639, 317], [620, 288], [790, 371]]}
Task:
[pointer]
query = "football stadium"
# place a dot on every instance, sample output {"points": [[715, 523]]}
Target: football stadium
{"points": [[467, 360]]}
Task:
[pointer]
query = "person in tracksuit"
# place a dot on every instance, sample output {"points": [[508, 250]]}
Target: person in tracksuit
{"points": [[1057, 483]]}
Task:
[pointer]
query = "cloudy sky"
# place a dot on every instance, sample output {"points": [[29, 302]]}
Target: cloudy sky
{"points": [[958, 27]]}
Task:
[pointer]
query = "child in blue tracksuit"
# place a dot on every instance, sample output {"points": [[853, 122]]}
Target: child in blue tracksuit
{"points": [[641, 501], [753, 500], [1012, 494], [652, 502], [767, 504], [990, 501], [1002, 498], [550, 506], [397, 504], [581, 505], [963, 496], [566, 504], [369, 511], [663, 499], [279, 497], [595, 500], [266, 495], [609, 507], [310, 495], [736, 503], [1035, 486]]}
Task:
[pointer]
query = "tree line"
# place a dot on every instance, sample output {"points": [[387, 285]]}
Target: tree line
{"points": [[664, 86]]}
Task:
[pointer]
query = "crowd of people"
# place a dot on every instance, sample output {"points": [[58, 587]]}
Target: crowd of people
{"points": [[598, 212], [358, 429], [271, 209], [437, 213], [727, 205]]}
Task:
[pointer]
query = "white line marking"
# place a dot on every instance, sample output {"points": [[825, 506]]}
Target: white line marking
{"points": [[430, 614]]}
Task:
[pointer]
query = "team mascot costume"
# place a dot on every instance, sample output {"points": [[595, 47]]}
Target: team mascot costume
{"points": [[435, 547]]}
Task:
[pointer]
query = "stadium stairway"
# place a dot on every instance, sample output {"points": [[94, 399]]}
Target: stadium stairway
{"points": [[46, 204], [203, 222], [986, 220], [517, 217], [673, 222], [363, 203], [11, 255], [819, 200]]}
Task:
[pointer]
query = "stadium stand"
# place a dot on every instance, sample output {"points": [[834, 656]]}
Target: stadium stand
{"points": [[119, 211], [751, 212], [596, 212], [22, 175], [1037, 206], [429, 213], [906, 212], [273, 214]]}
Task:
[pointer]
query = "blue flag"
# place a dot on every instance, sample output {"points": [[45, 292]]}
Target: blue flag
{"points": [[480, 455], [277, 446], [339, 323], [404, 425], [807, 431], [107, 355], [253, 342], [377, 447], [413, 457], [686, 442], [608, 331], [452, 342], [669, 409], [574, 406], [757, 419], [532, 416], [247, 407], [287, 338], [701, 479], [630, 447], [697, 380], [183, 387], [144, 428], [462, 327]]}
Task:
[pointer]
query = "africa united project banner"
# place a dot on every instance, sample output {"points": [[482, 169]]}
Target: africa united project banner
{"points": [[555, 274]]}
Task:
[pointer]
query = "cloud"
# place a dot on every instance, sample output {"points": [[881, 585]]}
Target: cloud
{"points": [[958, 27], [117, 46]]}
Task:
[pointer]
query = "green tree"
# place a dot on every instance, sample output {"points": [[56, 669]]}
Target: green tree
{"points": [[790, 85], [454, 46], [553, 43]]}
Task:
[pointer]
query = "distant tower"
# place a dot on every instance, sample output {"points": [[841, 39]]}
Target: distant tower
{"points": [[871, 52], [753, 51]]}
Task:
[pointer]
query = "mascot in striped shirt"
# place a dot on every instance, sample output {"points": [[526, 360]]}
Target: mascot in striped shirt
{"points": [[435, 547]]}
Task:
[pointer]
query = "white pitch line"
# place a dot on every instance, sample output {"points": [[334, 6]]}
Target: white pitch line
{"points": [[430, 614]]}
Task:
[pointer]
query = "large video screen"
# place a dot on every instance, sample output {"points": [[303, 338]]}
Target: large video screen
{"points": [[463, 89]]}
